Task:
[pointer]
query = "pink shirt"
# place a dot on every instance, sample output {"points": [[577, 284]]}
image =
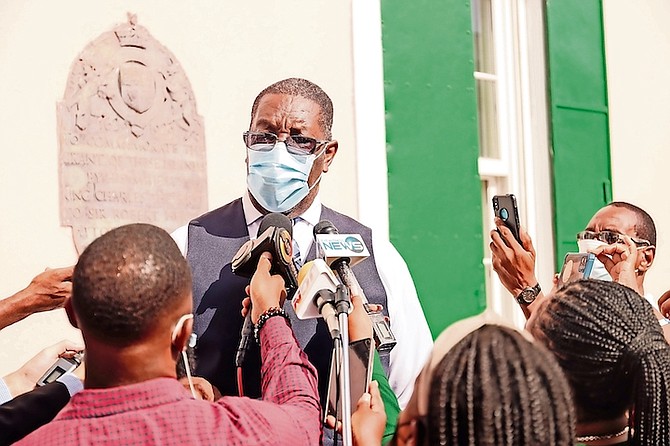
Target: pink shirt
{"points": [[161, 411]]}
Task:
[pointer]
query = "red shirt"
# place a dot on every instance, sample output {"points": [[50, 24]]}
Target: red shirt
{"points": [[162, 412]]}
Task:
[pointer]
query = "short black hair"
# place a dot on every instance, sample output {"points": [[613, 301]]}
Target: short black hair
{"points": [[611, 347], [301, 87], [645, 227], [126, 279], [496, 387]]}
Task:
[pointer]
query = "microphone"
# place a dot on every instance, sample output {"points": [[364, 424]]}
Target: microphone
{"points": [[275, 232], [275, 236], [335, 247], [318, 293], [341, 251]]}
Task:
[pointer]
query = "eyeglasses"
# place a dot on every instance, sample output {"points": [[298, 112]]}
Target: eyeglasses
{"points": [[295, 144], [609, 237]]}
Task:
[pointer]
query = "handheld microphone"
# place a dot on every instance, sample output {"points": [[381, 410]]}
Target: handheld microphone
{"points": [[317, 295], [275, 233], [275, 236], [341, 251]]}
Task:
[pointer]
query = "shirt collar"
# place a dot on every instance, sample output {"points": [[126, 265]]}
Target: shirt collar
{"points": [[253, 215], [94, 403], [313, 212]]}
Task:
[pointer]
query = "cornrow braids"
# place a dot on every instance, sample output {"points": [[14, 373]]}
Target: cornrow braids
{"points": [[496, 388], [613, 352]]}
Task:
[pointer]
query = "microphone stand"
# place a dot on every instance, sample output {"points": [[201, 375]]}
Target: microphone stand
{"points": [[342, 305]]}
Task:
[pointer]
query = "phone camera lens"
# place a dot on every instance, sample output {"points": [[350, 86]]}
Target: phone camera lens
{"points": [[504, 214]]}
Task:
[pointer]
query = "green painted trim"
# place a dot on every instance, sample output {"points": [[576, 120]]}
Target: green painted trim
{"points": [[579, 116], [435, 213]]}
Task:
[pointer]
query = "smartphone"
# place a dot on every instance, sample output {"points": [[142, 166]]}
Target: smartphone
{"points": [[60, 368], [576, 266], [505, 208], [360, 375]]}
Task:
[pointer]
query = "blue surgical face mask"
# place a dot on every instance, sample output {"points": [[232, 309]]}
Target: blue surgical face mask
{"points": [[277, 179], [598, 271]]}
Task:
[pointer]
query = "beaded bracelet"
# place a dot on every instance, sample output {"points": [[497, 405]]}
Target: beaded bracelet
{"points": [[267, 314]]}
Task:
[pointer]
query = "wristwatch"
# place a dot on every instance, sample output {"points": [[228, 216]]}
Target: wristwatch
{"points": [[528, 294]]}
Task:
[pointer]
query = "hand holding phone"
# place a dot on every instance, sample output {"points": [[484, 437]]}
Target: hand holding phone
{"points": [[62, 366], [576, 266], [505, 208], [361, 356]]}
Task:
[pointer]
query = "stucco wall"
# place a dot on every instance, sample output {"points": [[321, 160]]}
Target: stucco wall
{"points": [[637, 43], [230, 50]]}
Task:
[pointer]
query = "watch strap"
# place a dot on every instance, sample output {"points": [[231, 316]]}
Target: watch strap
{"points": [[535, 290]]}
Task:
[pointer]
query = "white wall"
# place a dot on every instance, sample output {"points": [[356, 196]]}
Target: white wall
{"points": [[637, 41], [230, 50]]}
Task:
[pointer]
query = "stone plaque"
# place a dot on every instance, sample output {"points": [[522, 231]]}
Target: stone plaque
{"points": [[131, 143]]}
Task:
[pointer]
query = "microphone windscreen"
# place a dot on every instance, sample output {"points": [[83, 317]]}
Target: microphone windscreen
{"points": [[278, 221], [304, 271], [324, 227]]}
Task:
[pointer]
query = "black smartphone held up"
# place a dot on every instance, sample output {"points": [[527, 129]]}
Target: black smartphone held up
{"points": [[360, 374], [576, 266], [505, 208]]}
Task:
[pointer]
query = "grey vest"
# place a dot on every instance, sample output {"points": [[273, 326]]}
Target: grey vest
{"points": [[213, 240]]}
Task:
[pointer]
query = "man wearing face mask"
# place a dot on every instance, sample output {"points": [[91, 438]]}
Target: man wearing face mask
{"points": [[131, 298], [289, 147], [604, 236]]}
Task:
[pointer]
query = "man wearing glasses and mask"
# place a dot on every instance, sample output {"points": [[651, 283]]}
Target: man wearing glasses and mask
{"points": [[622, 235], [289, 148]]}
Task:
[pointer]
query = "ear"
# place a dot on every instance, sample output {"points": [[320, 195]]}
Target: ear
{"points": [[647, 258], [180, 341], [329, 154], [70, 312]]}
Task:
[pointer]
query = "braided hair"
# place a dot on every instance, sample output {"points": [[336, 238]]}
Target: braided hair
{"points": [[612, 350], [497, 388]]}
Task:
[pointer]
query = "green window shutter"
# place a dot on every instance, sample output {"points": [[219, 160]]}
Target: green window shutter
{"points": [[579, 115], [432, 150]]}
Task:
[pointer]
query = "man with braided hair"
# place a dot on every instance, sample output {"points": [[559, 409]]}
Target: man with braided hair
{"points": [[616, 359], [484, 383]]}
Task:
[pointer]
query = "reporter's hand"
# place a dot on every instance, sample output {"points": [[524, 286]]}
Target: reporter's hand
{"points": [[80, 371], [266, 291], [49, 289], [514, 262], [246, 303], [369, 420], [360, 326], [664, 304], [203, 388], [25, 378]]}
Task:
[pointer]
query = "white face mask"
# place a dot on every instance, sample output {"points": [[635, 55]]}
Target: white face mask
{"points": [[598, 271]]}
